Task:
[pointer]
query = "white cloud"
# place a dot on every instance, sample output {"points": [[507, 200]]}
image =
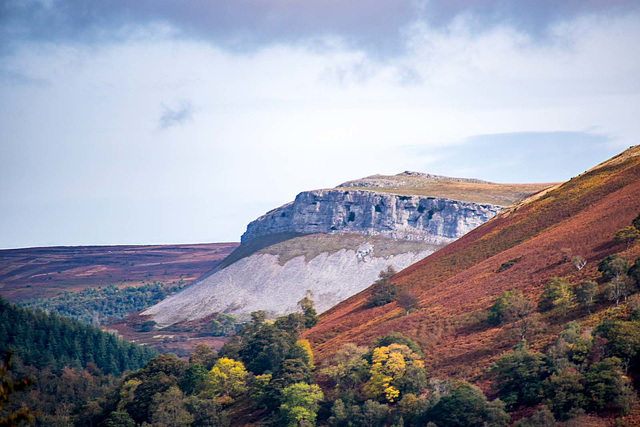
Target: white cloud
{"points": [[278, 121]]}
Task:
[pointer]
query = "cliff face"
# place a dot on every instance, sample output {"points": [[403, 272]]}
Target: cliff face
{"points": [[431, 219]]}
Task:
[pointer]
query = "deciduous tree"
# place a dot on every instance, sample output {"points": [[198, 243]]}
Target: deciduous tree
{"points": [[388, 366], [7, 388], [578, 262], [612, 266], [608, 388], [309, 312], [168, 409], [519, 376], [407, 300], [557, 295], [203, 355], [466, 405], [585, 294], [348, 368], [383, 290], [620, 286], [627, 235], [227, 378], [300, 404]]}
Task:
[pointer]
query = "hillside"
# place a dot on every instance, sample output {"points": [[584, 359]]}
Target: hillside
{"points": [[533, 241], [334, 242], [45, 272], [275, 278]]}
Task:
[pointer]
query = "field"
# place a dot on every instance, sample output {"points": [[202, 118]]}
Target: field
{"points": [[46, 272]]}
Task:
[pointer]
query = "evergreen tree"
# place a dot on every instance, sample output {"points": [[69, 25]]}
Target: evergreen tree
{"points": [[308, 310]]}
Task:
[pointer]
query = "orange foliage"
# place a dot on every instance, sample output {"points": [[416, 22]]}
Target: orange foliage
{"points": [[456, 284]]}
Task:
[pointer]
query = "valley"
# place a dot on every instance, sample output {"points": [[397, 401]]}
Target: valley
{"points": [[544, 287]]}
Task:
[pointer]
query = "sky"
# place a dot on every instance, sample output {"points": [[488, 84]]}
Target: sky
{"points": [[159, 121]]}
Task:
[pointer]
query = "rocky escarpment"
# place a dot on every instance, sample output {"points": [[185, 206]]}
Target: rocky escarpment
{"points": [[431, 219]]}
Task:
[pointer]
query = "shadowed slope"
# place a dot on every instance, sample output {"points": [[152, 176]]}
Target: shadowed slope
{"points": [[457, 282]]}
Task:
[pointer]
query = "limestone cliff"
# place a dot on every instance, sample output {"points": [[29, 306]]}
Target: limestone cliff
{"points": [[431, 219]]}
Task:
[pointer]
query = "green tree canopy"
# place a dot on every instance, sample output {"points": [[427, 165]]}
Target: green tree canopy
{"points": [[300, 404], [466, 405], [519, 376], [557, 295], [383, 290], [612, 266], [586, 292]]}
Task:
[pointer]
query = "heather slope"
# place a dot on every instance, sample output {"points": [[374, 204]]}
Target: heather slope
{"points": [[456, 284], [45, 272]]}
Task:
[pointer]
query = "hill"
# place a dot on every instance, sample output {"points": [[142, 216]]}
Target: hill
{"points": [[521, 248], [334, 242], [46, 272]]}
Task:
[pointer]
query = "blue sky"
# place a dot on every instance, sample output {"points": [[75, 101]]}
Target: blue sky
{"points": [[164, 121]]}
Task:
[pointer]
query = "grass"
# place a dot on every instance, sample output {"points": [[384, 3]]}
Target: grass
{"points": [[451, 188]]}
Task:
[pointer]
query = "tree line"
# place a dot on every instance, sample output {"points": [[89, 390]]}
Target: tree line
{"points": [[106, 305]]}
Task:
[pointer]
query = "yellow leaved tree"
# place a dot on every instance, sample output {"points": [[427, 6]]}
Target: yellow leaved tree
{"points": [[226, 380], [388, 367]]}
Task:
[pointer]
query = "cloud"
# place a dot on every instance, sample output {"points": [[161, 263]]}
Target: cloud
{"points": [[99, 132], [379, 29], [177, 116]]}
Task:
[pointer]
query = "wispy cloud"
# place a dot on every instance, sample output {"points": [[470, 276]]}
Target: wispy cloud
{"points": [[175, 116]]}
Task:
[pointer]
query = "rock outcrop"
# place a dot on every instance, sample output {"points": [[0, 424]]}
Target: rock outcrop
{"points": [[430, 219]]}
